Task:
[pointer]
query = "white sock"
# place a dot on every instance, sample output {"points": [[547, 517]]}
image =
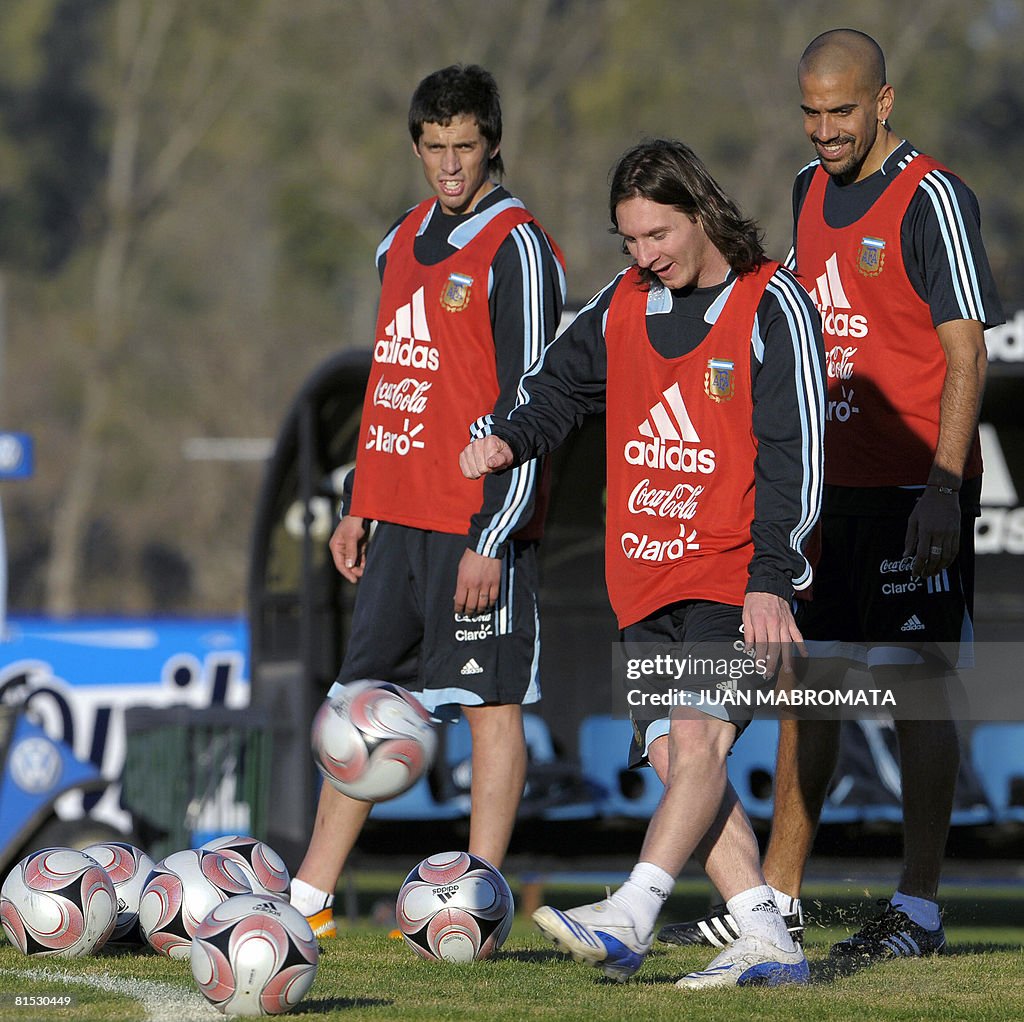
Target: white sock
{"points": [[921, 911], [309, 899], [788, 905], [756, 914], [643, 894]]}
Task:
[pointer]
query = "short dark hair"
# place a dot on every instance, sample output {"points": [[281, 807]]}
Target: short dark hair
{"points": [[455, 90], [670, 173]]}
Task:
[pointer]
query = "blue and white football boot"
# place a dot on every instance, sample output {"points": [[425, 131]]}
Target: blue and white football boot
{"points": [[750, 961], [602, 935]]}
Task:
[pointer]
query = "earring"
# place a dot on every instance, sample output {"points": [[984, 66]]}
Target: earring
{"points": [[885, 124]]}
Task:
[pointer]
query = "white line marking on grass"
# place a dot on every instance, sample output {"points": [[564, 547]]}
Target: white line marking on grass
{"points": [[161, 1002]]}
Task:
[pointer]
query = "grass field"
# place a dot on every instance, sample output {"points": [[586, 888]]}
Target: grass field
{"points": [[365, 975]]}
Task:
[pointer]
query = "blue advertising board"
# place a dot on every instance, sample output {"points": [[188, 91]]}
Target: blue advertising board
{"points": [[78, 677]]}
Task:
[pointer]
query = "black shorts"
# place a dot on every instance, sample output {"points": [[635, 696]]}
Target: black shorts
{"points": [[405, 630], [869, 608], [690, 628]]}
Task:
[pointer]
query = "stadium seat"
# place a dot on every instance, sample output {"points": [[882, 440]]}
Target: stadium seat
{"points": [[973, 816], [881, 813], [418, 803], [866, 786], [752, 772], [752, 767], [604, 748], [834, 810], [458, 743], [539, 746], [997, 752], [878, 762], [554, 789]]}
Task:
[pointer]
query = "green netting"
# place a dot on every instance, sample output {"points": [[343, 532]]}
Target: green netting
{"points": [[191, 774]]}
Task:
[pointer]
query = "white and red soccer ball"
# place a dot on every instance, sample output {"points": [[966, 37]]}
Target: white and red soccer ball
{"points": [[128, 868], [373, 741], [455, 907], [58, 901], [254, 955], [180, 892], [266, 869]]}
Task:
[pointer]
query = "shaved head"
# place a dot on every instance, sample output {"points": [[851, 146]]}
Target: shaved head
{"points": [[846, 103], [842, 51]]}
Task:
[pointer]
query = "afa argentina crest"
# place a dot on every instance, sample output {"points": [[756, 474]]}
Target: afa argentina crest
{"points": [[871, 257], [457, 290], [720, 379]]}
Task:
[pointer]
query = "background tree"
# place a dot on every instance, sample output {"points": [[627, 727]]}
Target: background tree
{"points": [[191, 192]]}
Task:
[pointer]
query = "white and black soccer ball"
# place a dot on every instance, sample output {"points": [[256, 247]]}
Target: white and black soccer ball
{"points": [[373, 741], [181, 890], [58, 901], [128, 868], [254, 955], [455, 907], [266, 869]]}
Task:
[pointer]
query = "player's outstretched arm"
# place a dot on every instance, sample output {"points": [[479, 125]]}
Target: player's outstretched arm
{"points": [[488, 454]]}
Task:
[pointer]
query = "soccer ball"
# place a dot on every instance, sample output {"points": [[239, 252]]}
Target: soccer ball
{"points": [[373, 741], [180, 891], [58, 901], [455, 906], [254, 955], [128, 868], [265, 868]]}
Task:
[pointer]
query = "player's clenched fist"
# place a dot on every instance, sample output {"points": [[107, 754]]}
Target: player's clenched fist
{"points": [[489, 454]]}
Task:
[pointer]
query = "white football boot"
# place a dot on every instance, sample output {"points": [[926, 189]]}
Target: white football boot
{"points": [[750, 961], [602, 935]]}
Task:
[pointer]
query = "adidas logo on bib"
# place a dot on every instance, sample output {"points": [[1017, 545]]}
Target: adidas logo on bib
{"points": [[837, 318], [472, 667], [913, 625], [668, 439]]}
